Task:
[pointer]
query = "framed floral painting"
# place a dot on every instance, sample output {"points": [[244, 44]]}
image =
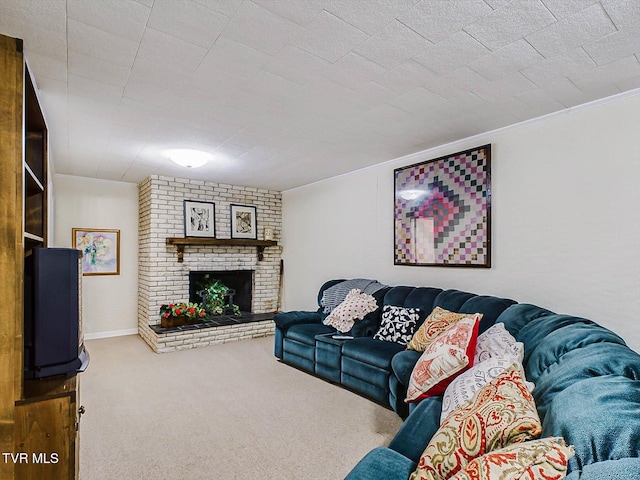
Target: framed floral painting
{"points": [[100, 250]]}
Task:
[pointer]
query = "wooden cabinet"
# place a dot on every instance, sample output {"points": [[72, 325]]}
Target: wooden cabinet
{"points": [[46, 432], [38, 418]]}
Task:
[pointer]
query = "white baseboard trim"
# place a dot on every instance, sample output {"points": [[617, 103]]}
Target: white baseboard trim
{"points": [[112, 333]]}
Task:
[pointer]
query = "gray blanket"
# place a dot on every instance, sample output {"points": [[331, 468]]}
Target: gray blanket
{"points": [[333, 296]]}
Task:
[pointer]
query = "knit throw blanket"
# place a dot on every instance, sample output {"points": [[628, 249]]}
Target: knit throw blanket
{"points": [[333, 296]]}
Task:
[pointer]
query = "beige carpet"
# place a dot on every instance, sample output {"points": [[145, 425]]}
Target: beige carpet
{"points": [[223, 412]]}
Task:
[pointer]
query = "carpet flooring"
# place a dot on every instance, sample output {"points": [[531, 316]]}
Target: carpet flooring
{"points": [[228, 411]]}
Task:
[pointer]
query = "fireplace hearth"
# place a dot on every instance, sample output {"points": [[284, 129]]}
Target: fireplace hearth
{"points": [[215, 321]]}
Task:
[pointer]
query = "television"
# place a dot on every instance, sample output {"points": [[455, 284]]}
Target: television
{"points": [[53, 341]]}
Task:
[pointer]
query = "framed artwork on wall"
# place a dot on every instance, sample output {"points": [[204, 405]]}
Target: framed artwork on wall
{"points": [[100, 250], [199, 219], [243, 222], [442, 211]]}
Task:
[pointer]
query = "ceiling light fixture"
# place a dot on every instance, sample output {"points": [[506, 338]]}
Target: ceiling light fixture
{"points": [[188, 158]]}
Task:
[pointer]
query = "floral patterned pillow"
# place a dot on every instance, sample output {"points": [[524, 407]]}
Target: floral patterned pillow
{"points": [[464, 387], [546, 458], [436, 323], [502, 413], [354, 307], [398, 324], [447, 357]]}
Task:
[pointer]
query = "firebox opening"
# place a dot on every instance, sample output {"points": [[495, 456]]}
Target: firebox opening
{"points": [[239, 280]]}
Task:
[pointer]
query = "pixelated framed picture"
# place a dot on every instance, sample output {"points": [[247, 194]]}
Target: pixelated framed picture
{"points": [[199, 219], [243, 222], [100, 250], [442, 213]]}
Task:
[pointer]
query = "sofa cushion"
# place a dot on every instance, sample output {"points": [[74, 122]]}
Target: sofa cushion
{"points": [[452, 299], [436, 323], [595, 360], [623, 469], [306, 332], [398, 324], [490, 307], [536, 332], [446, 357], [287, 319], [370, 351], [563, 338], [416, 432], [485, 424], [600, 417], [403, 363], [545, 458], [382, 464], [355, 306]]}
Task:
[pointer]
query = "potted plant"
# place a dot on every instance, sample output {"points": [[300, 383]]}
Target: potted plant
{"points": [[183, 313], [215, 297]]}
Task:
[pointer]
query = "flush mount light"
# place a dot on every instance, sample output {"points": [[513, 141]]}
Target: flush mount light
{"points": [[188, 158]]}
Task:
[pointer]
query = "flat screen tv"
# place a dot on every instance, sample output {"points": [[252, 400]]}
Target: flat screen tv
{"points": [[53, 342]]}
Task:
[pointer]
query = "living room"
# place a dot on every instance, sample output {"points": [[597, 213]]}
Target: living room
{"points": [[565, 149]]}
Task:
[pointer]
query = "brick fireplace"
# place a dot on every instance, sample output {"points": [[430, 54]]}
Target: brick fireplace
{"points": [[164, 279]]}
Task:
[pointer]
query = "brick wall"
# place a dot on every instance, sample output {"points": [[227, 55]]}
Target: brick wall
{"points": [[162, 279]]}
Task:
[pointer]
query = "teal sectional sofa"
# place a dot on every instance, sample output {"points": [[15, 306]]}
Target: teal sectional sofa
{"points": [[364, 364], [587, 381]]}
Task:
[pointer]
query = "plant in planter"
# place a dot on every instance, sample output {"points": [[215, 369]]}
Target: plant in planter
{"points": [[175, 314], [214, 295]]}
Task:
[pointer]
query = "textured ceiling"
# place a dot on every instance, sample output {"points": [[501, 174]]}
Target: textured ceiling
{"points": [[288, 92]]}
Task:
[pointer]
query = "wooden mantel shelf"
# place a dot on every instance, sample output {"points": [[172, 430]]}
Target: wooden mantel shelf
{"points": [[180, 243]]}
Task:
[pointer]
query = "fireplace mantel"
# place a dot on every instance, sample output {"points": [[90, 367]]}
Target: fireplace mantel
{"points": [[181, 242]]}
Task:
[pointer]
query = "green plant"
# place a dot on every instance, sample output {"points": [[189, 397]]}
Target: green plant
{"points": [[214, 294], [189, 310]]}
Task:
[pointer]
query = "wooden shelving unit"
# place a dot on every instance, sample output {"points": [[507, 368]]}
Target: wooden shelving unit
{"points": [[36, 417], [181, 242]]}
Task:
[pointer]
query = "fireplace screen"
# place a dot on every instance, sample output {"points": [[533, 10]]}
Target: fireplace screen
{"points": [[222, 292]]}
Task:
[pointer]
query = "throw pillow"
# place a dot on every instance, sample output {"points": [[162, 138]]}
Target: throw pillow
{"points": [[448, 356], [398, 324], [497, 341], [354, 307], [501, 413], [436, 323], [545, 458], [464, 387]]}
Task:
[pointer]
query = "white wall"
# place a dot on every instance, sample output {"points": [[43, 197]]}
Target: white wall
{"points": [[109, 302], [565, 220]]}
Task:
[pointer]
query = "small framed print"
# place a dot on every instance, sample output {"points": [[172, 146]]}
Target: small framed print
{"points": [[100, 250], [243, 222], [199, 219]]}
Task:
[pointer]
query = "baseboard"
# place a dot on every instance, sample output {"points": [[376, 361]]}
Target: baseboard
{"points": [[112, 333]]}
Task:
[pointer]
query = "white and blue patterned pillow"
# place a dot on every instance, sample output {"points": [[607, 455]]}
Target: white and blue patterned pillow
{"points": [[398, 324], [497, 341]]}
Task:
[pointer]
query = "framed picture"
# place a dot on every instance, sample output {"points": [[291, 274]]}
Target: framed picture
{"points": [[243, 222], [442, 212], [100, 250], [199, 219]]}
